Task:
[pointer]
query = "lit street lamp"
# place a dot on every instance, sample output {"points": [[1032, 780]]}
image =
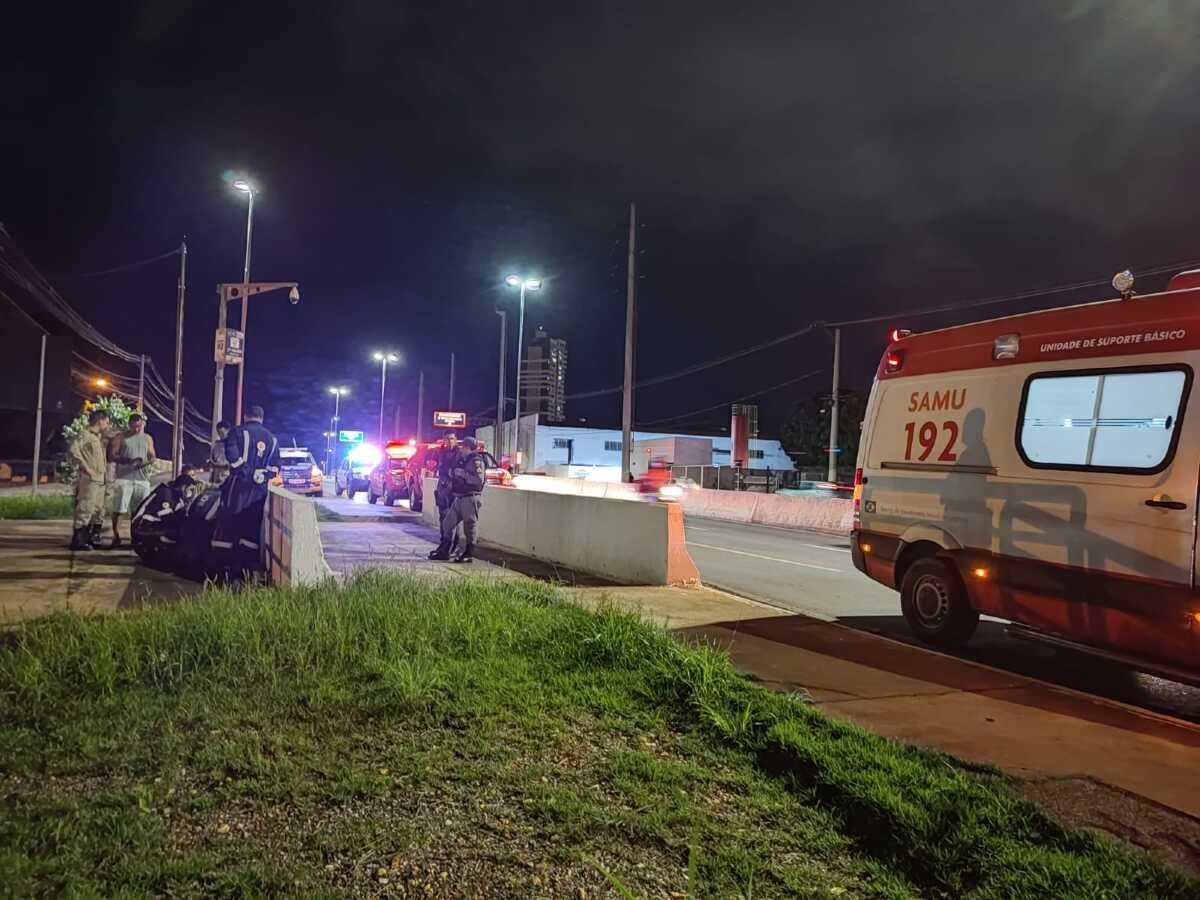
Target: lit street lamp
{"points": [[249, 190], [525, 284], [384, 357], [331, 435]]}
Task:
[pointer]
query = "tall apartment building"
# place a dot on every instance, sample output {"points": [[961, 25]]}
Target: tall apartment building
{"points": [[544, 377]]}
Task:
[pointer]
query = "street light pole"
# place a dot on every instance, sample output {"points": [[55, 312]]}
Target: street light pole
{"points": [[248, 188], [420, 404], [37, 419], [630, 324], [524, 284], [498, 439], [384, 357], [333, 426], [177, 416], [831, 473]]}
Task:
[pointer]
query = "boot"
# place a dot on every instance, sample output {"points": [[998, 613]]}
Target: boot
{"points": [[442, 552], [467, 554], [82, 539], [94, 536]]}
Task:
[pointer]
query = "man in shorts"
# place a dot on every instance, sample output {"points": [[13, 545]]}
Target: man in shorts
{"points": [[133, 452]]}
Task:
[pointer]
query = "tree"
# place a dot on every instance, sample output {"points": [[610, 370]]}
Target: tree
{"points": [[118, 414], [805, 435]]}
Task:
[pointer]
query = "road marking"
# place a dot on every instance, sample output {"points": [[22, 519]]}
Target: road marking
{"points": [[790, 562], [822, 547]]}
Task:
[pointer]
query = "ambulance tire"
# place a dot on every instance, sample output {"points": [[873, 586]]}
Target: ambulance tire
{"points": [[935, 603]]}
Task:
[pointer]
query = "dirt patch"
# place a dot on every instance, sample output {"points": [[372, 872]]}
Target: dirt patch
{"points": [[1169, 836]]}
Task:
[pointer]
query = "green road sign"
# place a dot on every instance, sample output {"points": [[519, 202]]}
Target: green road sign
{"points": [[350, 437]]}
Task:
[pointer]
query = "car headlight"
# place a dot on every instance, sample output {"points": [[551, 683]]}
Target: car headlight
{"points": [[315, 472]]}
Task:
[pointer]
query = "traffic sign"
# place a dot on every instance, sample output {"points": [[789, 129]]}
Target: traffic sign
{"points": [[230, 346], [350, 437], [444, 419]]}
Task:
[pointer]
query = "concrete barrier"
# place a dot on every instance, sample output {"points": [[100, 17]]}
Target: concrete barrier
{"points": [[635, 543], [292, 552], [613, 490], [831, 515]]}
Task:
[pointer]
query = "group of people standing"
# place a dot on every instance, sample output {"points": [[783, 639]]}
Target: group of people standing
{"points": [[462, 474], [113, 471]]}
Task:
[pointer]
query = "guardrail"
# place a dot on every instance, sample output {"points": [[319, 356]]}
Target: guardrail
{"points": [[291, 540]]}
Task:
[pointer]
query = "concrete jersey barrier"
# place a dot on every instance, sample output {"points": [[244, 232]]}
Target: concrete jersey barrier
{"points": [[828, 514], [635, 543], [292, 552]]}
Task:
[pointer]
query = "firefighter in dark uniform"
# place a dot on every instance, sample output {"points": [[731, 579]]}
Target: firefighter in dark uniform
{"points": [[252, 453], [467, 480], [447, 458]]}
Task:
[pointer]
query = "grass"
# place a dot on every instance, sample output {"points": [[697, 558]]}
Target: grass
{"points": [[325, 514], [481, 738], [42, 506]]}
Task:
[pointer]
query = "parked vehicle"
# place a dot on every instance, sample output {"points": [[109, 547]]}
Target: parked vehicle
{"points": [[353, 474], [299, 472], [393, 479], [1043, 469]]}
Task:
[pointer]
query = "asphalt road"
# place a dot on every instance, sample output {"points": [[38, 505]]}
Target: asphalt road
{"points": [[812, 573]]}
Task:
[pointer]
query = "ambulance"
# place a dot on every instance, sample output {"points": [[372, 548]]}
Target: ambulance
{"points": [[1043, 469]]}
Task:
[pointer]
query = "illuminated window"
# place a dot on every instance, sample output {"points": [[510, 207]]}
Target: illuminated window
{"points": [[1124, 420]]}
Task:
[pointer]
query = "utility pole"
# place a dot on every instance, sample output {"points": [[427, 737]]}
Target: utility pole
{"points": [[141, 384], [37, 419], [177, 417], [498, 440], [630, 327], [245, 304], [420, 403], [831, 475], [450, 402], [219, 378]]}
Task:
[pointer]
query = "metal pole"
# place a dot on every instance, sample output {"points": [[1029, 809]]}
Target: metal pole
{"points": [[630, 326], [450, 403], [382, 391], [333, 431], [219, 378], [177, 417], [245, 304], [420, 403], [498, 440], [517, 406], [37, 419], [831, 475], [141, 383]]}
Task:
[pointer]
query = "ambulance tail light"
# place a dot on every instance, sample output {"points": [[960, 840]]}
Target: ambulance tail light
{"points": [[893, 362], [858, 491]]}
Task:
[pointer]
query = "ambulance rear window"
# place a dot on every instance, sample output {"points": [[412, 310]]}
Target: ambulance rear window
{"points": [[1116, 420]]}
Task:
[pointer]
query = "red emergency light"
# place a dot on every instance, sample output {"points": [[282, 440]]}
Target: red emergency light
{"points": [[897, 333], [893, 362]]}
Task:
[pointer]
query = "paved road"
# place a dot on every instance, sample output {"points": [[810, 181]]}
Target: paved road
{"points": [[361, 508], [812, 573]]}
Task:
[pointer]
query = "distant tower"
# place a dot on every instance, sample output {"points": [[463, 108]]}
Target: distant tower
{"points": [[544, 377]]}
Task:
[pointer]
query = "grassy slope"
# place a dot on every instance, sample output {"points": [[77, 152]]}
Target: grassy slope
{"points": [[437, 738], [44, 506]]}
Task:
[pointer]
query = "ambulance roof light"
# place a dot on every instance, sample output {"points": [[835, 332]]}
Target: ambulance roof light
{"points": [[897, 333], [1123, 283], [893, 362]]}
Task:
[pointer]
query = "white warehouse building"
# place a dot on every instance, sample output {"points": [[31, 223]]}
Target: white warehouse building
{"points": [[596, 452]]}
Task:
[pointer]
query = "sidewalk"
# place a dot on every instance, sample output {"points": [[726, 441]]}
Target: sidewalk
{"points": [[39, 575]]}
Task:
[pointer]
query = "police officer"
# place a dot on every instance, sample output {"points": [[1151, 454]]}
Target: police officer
{"points": [[467, 480], [88, 452], [447, 459], [252, 452]]}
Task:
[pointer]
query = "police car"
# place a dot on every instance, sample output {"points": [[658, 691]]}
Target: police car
{"points": [[298, 471]]}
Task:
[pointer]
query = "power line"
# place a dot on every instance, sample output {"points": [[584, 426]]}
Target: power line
{"points": [[774, 387], [128, 266]]}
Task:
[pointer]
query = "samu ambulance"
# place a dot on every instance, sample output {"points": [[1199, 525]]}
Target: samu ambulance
{"points": [[1043, 469]]}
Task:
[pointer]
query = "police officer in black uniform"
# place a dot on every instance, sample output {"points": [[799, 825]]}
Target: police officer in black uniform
{"points": [[467, 480], [253, 457], [447, 458]]}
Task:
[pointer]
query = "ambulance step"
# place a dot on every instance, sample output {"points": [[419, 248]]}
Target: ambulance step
{"points": [[1158, 670]]}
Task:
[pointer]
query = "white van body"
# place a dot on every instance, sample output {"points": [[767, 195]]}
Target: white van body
{"points": [[1043, 469]]}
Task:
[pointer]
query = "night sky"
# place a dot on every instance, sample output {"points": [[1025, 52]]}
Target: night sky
{"points": [[791, 162]]}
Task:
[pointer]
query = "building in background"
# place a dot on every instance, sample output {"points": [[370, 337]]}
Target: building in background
{"points": [[544, 377], [596, 452]]}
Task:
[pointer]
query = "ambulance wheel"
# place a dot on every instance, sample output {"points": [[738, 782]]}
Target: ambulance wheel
{"points": [[935, 603]]}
